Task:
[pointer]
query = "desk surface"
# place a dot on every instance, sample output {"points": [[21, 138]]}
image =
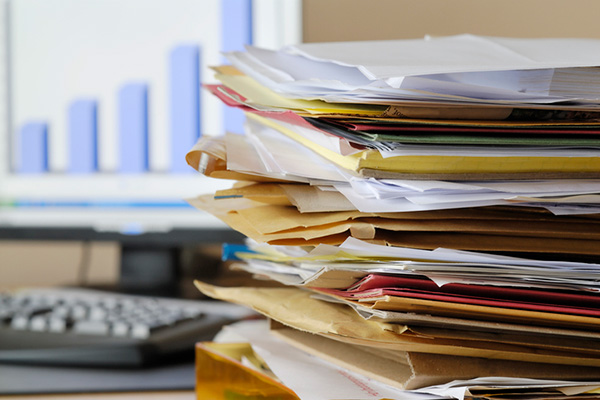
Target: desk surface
{"points": [[27, 381], [168, 395]]}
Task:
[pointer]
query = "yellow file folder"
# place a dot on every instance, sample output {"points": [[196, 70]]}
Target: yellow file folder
{"points": [[221, 375]]}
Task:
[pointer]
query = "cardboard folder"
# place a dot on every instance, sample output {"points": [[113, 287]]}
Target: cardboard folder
{"points": [[297, 309], [411, 370], [284, 225]]}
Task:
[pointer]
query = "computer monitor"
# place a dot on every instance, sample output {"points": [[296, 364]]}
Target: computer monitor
{"points": [[100, 101]]}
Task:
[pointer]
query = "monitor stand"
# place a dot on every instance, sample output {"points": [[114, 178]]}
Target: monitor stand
{"points": [[150, 270]]}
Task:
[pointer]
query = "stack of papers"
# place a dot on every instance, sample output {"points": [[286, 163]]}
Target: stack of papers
{"points": [[466, 68], [245, 360], [434, 202]]}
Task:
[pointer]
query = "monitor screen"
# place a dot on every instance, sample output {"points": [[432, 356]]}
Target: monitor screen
{"points": [[99, 103]]}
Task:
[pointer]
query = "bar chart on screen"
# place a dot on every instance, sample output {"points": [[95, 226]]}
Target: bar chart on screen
{"points": [[132, 116], [103, 99]]}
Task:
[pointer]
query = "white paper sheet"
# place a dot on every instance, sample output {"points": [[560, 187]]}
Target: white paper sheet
{"points": [[380, 60], [459, 389], [285, 158]]}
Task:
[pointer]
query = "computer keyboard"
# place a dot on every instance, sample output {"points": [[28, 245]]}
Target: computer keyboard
{"points": [[78, 327]]}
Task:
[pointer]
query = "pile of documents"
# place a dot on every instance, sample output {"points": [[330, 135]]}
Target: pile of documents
{"points": [[431, 208]]}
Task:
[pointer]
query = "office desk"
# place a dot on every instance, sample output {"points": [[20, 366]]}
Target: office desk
{"points": [[170, 395], [33, 381]]}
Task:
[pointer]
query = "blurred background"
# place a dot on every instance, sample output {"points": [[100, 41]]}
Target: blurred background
{"points": [[79, 199]]}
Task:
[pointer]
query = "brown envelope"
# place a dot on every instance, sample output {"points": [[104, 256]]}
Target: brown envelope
{"points": [[410, 370], [297, 309]]}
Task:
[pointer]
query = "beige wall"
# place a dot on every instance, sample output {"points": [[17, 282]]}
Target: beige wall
{"points": [[336, 20], [29, 263]]}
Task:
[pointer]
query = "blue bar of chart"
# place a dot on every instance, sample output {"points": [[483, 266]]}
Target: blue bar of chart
{"points": [[184, 79], [236, 32], [33, 148], [83, 136], [133, 128]]}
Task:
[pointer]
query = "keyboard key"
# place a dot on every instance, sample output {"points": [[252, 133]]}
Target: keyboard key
{"points": [[20, 322], [57, 324], [88, 327], [140, 331], [120, 329], [79, 312], [98, 313], [62, 311], [38, 323]]}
